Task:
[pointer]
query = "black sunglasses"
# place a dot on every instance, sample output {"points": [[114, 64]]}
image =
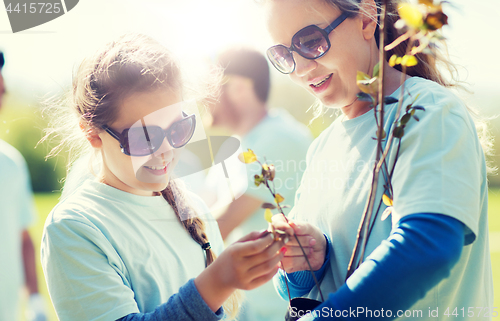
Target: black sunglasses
{"points": [[311, 42], [145, 140]]}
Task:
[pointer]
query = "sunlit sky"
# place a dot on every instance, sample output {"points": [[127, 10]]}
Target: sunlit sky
{"points": [[41, 59]]}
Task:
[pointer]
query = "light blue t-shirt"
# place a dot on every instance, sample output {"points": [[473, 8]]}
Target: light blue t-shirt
{"points": [[283, 141], [441, 169], [17, 212], [107, 253]]}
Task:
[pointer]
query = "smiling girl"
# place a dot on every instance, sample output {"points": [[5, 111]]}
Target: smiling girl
{"points": [[130, 244]]}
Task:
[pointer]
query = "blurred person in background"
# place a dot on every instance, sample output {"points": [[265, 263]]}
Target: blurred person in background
{"points": [[242, 110], [17, 212]]}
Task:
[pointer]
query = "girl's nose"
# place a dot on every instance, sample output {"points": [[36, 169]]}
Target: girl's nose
{"points": [[166, 149], [303, 65]]}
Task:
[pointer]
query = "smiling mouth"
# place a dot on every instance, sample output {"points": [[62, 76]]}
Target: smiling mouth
{"points": [[317, 85], [155, 168]]}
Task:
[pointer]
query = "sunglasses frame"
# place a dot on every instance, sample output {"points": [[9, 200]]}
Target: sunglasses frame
{"points": [[325, 32], [123, 142]]}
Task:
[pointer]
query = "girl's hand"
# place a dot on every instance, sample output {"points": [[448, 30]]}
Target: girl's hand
{"points": [[246, 264], [312, 240]]}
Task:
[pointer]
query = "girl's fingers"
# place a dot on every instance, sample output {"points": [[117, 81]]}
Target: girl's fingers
{"points": [[296, 250], [280, 223], [252, 247], [266, 266], [255, 283], [305, 241], [266, 255]]}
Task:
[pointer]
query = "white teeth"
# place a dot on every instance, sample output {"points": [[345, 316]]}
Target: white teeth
{"points": [[155, 167], [322, 82]]}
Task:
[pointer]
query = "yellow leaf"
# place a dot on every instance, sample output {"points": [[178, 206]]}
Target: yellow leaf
{"points": [[411, 14], [362, 76], [392, 60], [409, 61], [268, 215], [247, 157], [387, 200], [279, 198], [369, 86]]}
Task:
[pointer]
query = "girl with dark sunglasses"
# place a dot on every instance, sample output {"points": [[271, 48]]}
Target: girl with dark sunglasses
{"points": [[133, 244], [434, 255]]}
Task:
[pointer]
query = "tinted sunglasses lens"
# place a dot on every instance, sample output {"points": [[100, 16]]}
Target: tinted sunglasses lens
{"points": [[310, 42], [142, 141], [180, 132], [281, 58]]}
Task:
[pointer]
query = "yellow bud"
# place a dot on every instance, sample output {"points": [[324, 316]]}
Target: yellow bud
{"points": [[409, 61], [392, 60]]}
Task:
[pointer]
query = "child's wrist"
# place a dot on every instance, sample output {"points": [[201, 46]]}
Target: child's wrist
{"points": [[212, 287]]}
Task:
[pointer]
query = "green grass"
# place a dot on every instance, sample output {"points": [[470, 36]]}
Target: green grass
{"points": [[45, 202]]}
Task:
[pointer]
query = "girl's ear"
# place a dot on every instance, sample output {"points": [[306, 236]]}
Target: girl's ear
{"points": [[369, 17], [92, 135]]}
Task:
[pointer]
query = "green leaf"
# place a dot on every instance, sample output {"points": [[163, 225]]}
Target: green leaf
{"points": [[398, 132], [405, 119], [390, 100], [364, 97], [383, 133], [258, 179], [376, 70]]}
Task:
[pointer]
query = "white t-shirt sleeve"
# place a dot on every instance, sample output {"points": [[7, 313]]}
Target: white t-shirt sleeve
{"points": [[84, 280], [439, 169]]}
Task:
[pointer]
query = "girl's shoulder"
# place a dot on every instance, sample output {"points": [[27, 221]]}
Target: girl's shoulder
{"points": [[76, 207]]}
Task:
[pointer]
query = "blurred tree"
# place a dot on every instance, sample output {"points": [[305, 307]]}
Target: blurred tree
{"points": [[22, 127]]}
